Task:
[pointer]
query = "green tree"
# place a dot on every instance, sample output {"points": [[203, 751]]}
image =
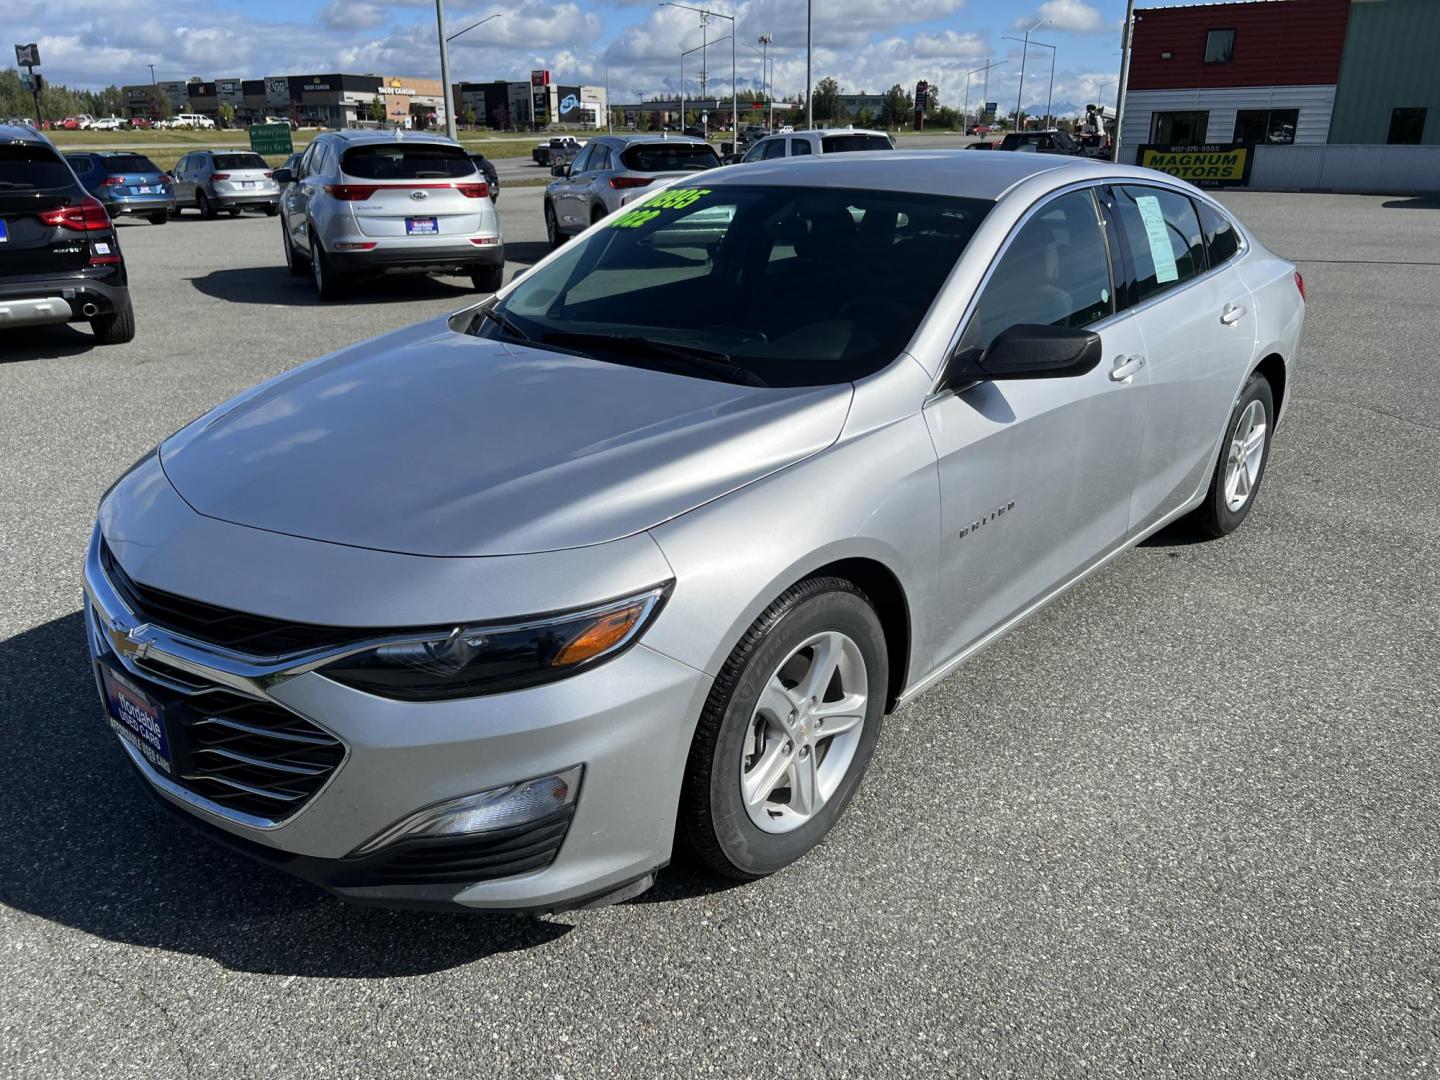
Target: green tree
{"points": [[377, 109], [227, 114], [826, 100], [897, 108], [863, 118]]}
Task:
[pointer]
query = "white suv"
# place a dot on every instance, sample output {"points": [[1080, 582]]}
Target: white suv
{"points": [[833, 141]]}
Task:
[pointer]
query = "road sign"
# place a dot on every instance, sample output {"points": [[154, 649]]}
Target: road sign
{"points": [[27, 55], [271, 139], [992, 107]]}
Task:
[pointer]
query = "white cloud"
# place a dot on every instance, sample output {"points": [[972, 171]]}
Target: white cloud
{"points": [[1070, 16], [949, 43]]}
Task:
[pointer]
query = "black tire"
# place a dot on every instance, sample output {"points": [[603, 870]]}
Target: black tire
{"points": [[158, 219], [233, 211], [328, 284], [116, 328], [488, 279], [271, 211], [297, 264], [203, 204], [713, 818], [597, 213], [552, 227], [1214, 515]]}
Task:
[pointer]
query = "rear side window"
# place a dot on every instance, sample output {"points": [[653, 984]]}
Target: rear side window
{"points": [[406, 161], [669, 157], [117, 164], [775, 148], [32, 167], [81, 163], [843, 144], [798, 147], [239, 161], [1054, 273], [1162, 239], [1221, 239]]}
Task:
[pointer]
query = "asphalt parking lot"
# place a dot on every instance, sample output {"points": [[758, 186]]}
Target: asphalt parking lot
{"points": [[1182, 823]]}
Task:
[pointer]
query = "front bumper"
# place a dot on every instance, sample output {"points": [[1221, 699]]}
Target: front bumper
{"points": [[628, 722]]}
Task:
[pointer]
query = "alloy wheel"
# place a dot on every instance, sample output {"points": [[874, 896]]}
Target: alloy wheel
{"points": [[804, 732], [1245, 456]]}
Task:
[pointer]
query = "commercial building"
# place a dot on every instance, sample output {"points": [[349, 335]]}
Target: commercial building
{"points": [[871, 106], [1284, 73], [533, 105], [333, 100]]}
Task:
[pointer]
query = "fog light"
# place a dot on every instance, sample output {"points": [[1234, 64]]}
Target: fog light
{"points": [[485, 811]]}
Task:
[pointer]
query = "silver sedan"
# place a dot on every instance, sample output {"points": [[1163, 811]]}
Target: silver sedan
{"points": [[492, 612]]}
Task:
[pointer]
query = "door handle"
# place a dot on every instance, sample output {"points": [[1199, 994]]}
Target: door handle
{"points": [[1232, 314], [1125, 367]]}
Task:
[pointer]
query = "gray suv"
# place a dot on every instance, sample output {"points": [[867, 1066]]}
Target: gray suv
{"points": [[363, 202], [231, 180], [614, 170]]}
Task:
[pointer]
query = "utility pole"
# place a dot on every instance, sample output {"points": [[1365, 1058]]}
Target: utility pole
{"points": [[809, 83], [1024, 52], [964, 113], [445, 69], [765, 40], [706, 15], [1126, 35]]}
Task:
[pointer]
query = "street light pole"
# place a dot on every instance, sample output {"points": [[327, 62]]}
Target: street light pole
{"points": [[986, 90], [809, 84], [1024, 52], [602, 59], [684, 53], [734, 98], [445, 90]]}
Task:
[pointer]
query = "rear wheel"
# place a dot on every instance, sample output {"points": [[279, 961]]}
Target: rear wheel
{"points": [[552, 227], [488, 279], [271, 211], [233, 211], [1244, 453], [788, 730], [328, 284], [597, 214], [158, 219], [116, 328], [204, 205]]}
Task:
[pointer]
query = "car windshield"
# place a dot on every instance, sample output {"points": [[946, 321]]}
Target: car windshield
{"points": [[406, 161], [838, 144], [777, 286], [659, 157], [30, 167], [128, 163], [240, 161]]}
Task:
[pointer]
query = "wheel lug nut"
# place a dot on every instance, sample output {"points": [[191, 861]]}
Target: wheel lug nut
{"points": [[789, 746], [804, 752]]}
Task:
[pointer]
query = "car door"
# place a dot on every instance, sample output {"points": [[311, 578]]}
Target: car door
{"points": [[568, 206], [184, 193], [1199, 332], [294, 198], [315, 167], [1036, 475]]}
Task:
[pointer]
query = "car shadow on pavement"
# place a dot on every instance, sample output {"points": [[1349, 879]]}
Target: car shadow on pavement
{"points": [[1416, 202], [45, 343], [274, 285], [83, 845]]}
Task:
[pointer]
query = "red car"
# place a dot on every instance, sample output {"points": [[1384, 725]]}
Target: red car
{"points": [[140, 122], [69, 124]]}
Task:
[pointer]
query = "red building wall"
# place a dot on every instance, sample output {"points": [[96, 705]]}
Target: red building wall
{"points": [[1277, 43]]}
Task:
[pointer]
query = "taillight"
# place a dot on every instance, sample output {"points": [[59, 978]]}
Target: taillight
{"points": [[474, 191], [89, 216], [1300, 284], [619, 183], [351, 192], [220, 176], [268, 174], [112, 181]]}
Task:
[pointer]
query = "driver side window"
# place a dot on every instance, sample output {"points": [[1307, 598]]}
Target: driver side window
{"points": [[1055, 272], [775, 149], [582, 163]]}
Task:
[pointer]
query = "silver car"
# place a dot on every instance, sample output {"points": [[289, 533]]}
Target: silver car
{"points": [[613, 171], [808, 143], [491, 612], [366, 202], [231, 180]]}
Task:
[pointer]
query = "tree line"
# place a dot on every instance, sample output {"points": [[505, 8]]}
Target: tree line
{"points": [[57, 100]]}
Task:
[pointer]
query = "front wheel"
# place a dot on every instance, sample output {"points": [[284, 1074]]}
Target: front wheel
{"points": [[552, 227], [204, 205], [271, 211], [1244, 452], [787, 731], [293, 260]]}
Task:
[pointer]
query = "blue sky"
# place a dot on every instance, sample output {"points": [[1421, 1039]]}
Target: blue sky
{"points": [[867, 45]]}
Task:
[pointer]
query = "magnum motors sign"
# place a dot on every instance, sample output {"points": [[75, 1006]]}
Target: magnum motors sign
{"points": [[1208, 165]]}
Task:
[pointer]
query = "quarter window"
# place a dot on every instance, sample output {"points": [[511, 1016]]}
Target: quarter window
{"points": [[1055, 272], [1221, 239], [1162, 239], [1219, 46]]}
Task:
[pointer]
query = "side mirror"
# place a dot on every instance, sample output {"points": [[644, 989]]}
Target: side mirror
{"points": [[1028, 351], [559, 170], [283, 176]]}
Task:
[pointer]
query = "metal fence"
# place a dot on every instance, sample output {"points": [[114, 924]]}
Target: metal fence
{"points": [[1378, 170]]}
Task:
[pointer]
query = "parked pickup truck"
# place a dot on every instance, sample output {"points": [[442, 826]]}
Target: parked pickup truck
{"points": [[1035, 142], [560, 150]]}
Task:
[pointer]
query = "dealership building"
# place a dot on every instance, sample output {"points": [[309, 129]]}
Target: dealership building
{"points": [[534, 105], [1293, 73], [333, 100]]}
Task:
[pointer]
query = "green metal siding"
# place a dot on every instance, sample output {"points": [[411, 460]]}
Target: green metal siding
{"points": [[1391, 60]]}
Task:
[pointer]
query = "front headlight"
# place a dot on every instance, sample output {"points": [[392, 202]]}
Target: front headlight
{"points": [[467, 661]]}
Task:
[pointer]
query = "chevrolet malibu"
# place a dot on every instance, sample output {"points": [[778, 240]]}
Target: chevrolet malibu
{"points": [[494, 611]]}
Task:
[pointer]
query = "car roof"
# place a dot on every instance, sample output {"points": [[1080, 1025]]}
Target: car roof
{"points": [[353, 137], [18, 133], [961, 173], [648, 137]]}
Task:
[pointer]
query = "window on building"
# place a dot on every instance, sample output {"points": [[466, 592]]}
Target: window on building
{"points": [[1219, 46], [1178, 128], [1407, 126], [1266, 125]]}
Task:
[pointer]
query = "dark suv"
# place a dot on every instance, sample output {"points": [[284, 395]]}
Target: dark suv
{"points": [[60, 259]]}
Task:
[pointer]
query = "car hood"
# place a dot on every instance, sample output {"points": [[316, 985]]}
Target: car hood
{"points": [[430, 442]]}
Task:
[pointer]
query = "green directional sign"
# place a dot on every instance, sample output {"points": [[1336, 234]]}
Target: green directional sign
{"points": [[271, 139]]}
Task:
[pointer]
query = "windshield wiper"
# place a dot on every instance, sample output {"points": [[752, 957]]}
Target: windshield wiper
{"points": [[706, 361], [500, 319]]}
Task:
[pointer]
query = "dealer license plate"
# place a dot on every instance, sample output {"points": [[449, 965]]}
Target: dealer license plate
{"points": [[136, 718], [422, 226]]}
